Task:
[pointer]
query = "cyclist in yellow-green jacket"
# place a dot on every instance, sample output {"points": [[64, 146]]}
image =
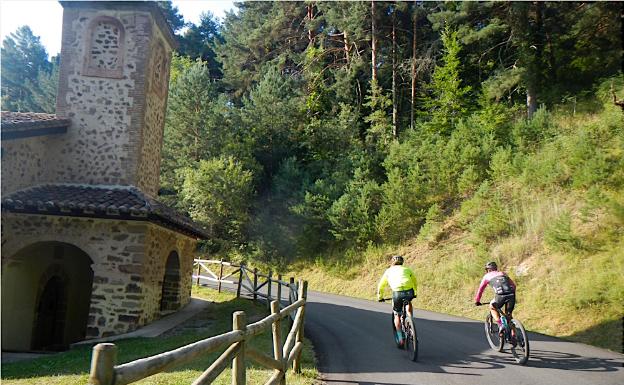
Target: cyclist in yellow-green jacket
{"points": [[402, 281]]}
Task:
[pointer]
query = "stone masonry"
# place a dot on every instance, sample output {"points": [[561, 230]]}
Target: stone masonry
{"points": [[128, 263], [90, 185]]}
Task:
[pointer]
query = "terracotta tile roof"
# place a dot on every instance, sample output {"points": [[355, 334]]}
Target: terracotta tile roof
{"points": [[25, 124], [114, 202]]}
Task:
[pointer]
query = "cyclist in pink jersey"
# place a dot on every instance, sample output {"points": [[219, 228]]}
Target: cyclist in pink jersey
{"points": [[504, 291]]}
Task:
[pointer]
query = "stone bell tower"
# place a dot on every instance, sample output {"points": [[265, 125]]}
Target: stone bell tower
{"points": [[113, 86]]}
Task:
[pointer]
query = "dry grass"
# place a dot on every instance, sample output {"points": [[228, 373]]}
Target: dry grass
{"points": [[577, 295]]}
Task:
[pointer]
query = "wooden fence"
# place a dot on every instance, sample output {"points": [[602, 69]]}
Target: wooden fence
{"points": [[249, 279], [104, 370]]}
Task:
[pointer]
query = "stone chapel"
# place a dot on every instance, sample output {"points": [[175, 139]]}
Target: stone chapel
{"points": [[87, 249]]}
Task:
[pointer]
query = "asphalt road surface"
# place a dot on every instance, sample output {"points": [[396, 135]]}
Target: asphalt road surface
{"points": [[354, 345]]}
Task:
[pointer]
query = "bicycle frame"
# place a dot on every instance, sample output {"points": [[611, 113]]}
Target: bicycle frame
{"points": [[406, 323], [506, 322]]}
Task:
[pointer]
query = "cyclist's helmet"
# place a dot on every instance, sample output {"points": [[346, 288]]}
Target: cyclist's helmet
{"points": [[491, 266], [397, 260]]}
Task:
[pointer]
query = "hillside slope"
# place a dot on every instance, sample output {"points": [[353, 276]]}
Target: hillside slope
{"points": [[554, 220]]}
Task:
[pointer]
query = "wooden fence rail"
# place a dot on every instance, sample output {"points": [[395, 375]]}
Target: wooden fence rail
{"points": [[249, 279], [105, 372]]}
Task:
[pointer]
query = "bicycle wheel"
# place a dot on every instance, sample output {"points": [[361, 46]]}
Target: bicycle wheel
{"points": [[521, 350], [491, 333], [411, 339], [394, 333]]}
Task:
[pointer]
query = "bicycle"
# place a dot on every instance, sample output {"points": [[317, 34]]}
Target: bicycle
{"points": [[410, 344], [497, 337]]}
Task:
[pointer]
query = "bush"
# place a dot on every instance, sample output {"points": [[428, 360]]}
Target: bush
{"points": [[352, 215], [528, 134], [433, 224], [559, 236], [218, 193]]}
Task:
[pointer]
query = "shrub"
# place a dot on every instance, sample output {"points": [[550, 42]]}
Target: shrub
{"points": [[559, 236], [433, 224], [218, 193]]}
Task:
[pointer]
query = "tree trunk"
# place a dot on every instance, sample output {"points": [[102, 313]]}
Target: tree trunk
{"points": [[373, 44], [310, 9], [346, 46], [413, 90], [531, 101], [536, 65], [395, 110]]}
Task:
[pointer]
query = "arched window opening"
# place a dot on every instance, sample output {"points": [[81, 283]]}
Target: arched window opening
{"points": [[104, 48], [170, 298]]}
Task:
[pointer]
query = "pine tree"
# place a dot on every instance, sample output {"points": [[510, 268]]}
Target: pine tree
{"points": [[447, 103], [23, 57]]}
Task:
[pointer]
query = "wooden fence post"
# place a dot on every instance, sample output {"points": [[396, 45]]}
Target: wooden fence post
{"points": [[269, 283], [220, 275], [255, 284], [291, 284], [102, 364], [277, 338], [303, 294], [198, 272], [279, 289], [240, 281], [239, 377]]}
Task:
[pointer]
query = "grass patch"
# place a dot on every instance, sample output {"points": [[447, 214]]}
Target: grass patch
{"points": [[72, 367]]}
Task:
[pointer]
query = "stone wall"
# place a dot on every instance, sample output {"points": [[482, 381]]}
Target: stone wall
{"points": [[156, 104], [23, 163], [160, 243], [113, 86], [104, 102], [128, 257]]}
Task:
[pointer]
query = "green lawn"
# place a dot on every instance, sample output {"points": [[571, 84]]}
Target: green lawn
{"points": [[72, 367]]}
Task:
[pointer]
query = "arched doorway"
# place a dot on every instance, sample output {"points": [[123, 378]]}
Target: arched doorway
{"points": [[170, 297], [49, 328], [46, 296]]}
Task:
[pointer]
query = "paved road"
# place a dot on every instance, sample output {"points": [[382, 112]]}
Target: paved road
{"points": [[354, 346]]}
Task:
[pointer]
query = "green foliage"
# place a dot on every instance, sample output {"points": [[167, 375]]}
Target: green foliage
{"points": [[297, 105], [44, 88], [24, 59], [447, 103], [172, 14], [526, 134], [199, 42], [433, 224], [352, 215], [559, 236], [404, 198], [217, 193], [272, 116], [379, 134]]}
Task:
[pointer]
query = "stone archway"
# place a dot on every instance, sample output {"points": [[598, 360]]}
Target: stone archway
{"points": [[170, 297], [50, 317], [46, 296]]}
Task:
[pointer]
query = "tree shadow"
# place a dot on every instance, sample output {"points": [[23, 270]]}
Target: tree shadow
{"points": [[350, 339], [602, 335], [76, 361]]}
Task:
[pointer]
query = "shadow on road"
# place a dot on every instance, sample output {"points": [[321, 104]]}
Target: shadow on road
{"points": [[353, 340], [568, 361]]}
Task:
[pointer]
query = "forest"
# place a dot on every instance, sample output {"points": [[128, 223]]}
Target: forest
{"points": [[323, 137], [296, 129]]}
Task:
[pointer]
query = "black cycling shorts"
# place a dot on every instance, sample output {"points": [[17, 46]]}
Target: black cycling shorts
{"points": [[509, 300], [399, 296]]}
